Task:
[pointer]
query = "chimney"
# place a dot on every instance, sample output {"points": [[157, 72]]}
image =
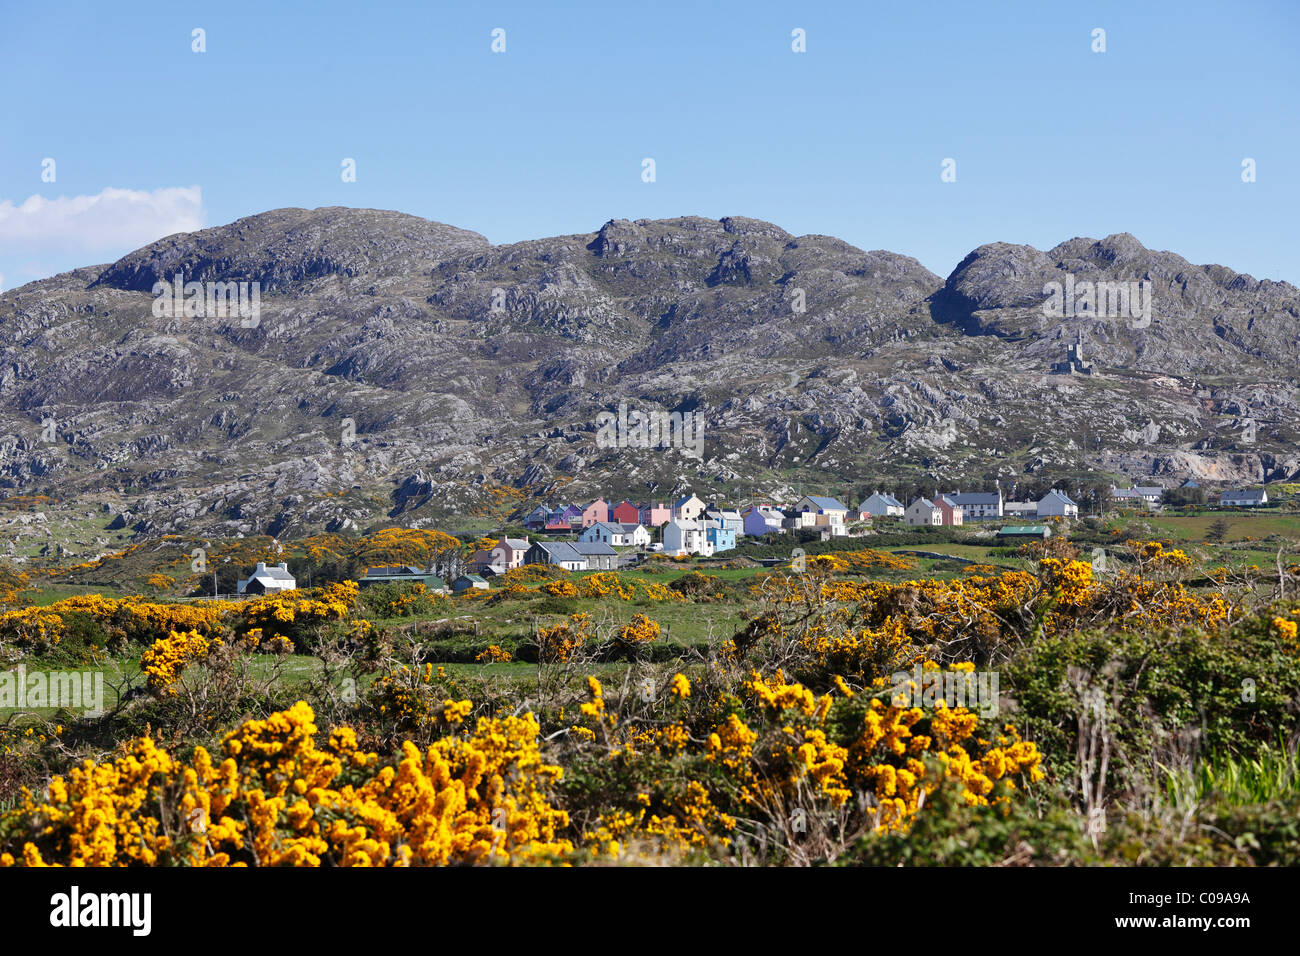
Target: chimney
{"points": [[261, 566], [284, 566]]}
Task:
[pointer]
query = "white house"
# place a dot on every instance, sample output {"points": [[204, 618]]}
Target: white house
{"points": [[636, 535], [688, 508], [882, 506], [617, 534], [560, 553], [1243, 499], [923, 511], [266, 580], [1148, 494], [815, 511], [686, 537], [1057, 504]]}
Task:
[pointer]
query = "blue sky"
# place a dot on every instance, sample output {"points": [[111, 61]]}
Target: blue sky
{"points": [[1050, 139]]}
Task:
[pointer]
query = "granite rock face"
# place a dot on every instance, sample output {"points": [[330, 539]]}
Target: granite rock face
{"points": [[399, 364]]}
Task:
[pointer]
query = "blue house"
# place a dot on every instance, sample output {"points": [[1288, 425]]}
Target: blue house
{"points": [[720, 536]]}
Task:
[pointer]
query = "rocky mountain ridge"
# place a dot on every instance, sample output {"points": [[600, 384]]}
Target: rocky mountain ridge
{"points": [[399, 364]]}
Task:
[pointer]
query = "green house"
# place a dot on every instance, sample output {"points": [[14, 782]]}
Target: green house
{"points": [[1026, 531], [402, 575]]}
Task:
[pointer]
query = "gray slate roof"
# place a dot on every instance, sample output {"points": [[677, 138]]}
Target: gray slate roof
{"points": [[889, 501], [976, 498], [1255, 494], [274, 573], [395, 571], [560, 551], [592, 547], [827, 504]]}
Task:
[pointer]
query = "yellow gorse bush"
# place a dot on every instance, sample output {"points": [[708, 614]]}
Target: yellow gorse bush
{"points": [[978, 613], [780, 746], [846, 562], [564, 589], [130, 619], [289, 612], [556, 644], [1287, 630], [886, 759], [278, 797], [640, 630], [164, 660], [493, 654], [603, 584]]}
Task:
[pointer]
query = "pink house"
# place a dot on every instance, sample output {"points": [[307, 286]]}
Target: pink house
{"points": [[509, 553], [952, 512], [654, 514], [627, 513], [595, 513]]}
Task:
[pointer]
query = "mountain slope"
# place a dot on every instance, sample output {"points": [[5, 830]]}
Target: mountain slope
{"points": [[457, 361]]}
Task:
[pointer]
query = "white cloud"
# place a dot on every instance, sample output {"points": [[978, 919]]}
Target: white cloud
{"points": [[112, 220]]}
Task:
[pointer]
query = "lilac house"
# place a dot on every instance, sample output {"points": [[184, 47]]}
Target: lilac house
{"points": [[762, 519]]}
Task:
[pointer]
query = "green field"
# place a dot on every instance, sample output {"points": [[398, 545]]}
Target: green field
{"points": [[1241, 525]]}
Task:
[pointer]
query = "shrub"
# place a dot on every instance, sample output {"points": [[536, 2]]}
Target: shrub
{"points": [[397, 599], [1231, 692]]}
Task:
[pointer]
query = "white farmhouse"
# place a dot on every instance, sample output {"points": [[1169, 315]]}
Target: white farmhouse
{"points": [[1244, 499], [683, 536], [266, 580], [617, 534], [923, 511], [1057, 504], [1147, 494], [881, 505], [688, 508]]}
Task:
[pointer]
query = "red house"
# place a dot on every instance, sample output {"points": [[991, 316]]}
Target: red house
{"points": [[627, 513]]}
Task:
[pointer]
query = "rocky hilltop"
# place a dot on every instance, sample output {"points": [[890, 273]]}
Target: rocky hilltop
{"points": [[398, 364]]}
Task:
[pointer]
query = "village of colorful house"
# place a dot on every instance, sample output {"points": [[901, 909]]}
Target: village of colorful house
{"points": [[600, 536]]}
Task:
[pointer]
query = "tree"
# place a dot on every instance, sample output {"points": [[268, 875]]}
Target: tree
{"points": [[1184, 497], [448, 563], [1097, 494], [1218, 530]]}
